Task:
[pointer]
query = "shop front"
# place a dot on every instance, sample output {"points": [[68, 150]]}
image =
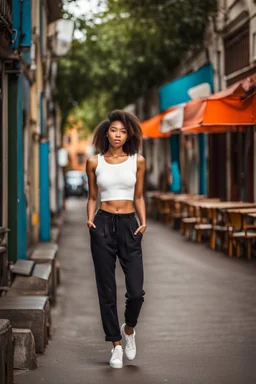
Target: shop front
{"points": [[188, 155]]}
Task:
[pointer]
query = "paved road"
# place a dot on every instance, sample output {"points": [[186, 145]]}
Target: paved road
{"points": [[198, 323]]}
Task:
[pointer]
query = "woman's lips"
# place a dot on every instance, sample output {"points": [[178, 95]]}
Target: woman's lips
{"points": [[117, 141]]}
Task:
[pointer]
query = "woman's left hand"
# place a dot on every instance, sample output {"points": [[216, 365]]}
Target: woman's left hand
{"points": [[142, 229]]}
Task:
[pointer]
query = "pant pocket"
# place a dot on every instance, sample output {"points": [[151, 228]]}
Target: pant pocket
{"points": [[134, 225], [100, 229]]}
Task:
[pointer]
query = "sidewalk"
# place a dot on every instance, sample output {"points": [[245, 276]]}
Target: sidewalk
{"points": [[197, 326]]}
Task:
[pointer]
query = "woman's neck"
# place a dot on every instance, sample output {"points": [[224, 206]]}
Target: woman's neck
{"points": [[115, 152]]}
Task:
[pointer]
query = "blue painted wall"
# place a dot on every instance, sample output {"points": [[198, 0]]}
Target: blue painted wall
{"points": [[42, 122], [45, 218], [20, 19], [176, 92], [175, 163], [26, 24]]}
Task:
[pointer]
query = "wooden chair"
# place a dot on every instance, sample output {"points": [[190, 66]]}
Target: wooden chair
{"points": [[176, 207], [219, 229], [165, 201], [188, 222], [197, 220], [238, 230], [205, 223]]}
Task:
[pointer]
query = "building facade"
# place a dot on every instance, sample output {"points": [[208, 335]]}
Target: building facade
{"points": [[220, 164], [231, 39], [30, 125]]}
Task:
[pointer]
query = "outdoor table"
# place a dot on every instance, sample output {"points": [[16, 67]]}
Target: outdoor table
{"points": [[165, 200], [251, 214], [221, 207], [177, 208], [193, 217], [243, 212], [240, 230], [237, 207]]}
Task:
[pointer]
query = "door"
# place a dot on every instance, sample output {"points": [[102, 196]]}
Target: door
{"points": [[217, 165]]}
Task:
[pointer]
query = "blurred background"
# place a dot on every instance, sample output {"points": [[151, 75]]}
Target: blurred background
{"points": [[187, 69], [65, 64]]}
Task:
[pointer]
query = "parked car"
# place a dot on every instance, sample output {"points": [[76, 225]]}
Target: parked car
{"points": [[76, 183]]}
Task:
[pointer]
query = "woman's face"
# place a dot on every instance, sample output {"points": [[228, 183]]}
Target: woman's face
{"points": [[117, 134]]}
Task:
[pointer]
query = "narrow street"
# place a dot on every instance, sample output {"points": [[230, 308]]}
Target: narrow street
{"points": [[197, 325]]}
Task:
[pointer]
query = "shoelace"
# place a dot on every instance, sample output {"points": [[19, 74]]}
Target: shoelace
{"points": [[130, 341], [117, 353]]}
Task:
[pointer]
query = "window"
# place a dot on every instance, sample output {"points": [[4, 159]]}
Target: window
{"points": [[237, 50], [254, 47]]}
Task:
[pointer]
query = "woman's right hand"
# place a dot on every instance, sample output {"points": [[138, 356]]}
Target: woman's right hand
{"points": [[91, 224]]}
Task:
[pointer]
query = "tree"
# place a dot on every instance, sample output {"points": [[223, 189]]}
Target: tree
{"points": [[128, 48]]}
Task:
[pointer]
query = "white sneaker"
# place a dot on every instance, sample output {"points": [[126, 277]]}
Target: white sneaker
{"points": [[116, 360], [130, 347]]}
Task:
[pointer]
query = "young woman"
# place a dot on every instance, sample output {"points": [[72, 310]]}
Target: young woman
{"points": [[117, 173]]}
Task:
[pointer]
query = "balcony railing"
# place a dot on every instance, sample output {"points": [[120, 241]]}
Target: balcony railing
{"points": [[5, 28], [5, 16]]}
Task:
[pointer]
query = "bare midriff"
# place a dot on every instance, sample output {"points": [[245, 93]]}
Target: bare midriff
{"points": [[118, 206]]}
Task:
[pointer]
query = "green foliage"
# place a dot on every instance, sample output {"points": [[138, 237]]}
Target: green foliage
{"points": [[127, 49]]}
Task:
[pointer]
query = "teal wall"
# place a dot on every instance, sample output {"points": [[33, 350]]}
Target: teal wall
{"points": [[17, 223], [176, 92], [45, 219]]}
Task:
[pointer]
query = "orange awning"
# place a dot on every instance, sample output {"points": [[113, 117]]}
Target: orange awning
{"points": [[224, 111], [230, 111], [194, 113], [151, 127], [242, 89], [213, 129]]}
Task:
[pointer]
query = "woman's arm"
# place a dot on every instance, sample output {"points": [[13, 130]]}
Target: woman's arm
{"points": [[138, 194], [91, 165]]}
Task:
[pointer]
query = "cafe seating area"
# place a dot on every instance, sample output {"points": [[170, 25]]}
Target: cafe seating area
{"points": [[226, 226]]}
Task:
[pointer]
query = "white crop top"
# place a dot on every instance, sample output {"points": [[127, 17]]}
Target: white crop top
{"points": [[116, 181]]}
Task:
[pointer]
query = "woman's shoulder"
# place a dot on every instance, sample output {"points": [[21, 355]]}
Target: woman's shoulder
{"points": [[92, 161], [140, 159]]}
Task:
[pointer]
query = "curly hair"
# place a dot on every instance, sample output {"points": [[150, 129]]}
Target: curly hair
{"points": [[132, 125]]}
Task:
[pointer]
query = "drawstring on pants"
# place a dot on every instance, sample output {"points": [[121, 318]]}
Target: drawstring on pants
{"points": [[115, 223], [114, 219]]}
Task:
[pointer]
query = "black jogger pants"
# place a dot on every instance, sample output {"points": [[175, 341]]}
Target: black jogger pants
{"points": [[112, 237]]}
